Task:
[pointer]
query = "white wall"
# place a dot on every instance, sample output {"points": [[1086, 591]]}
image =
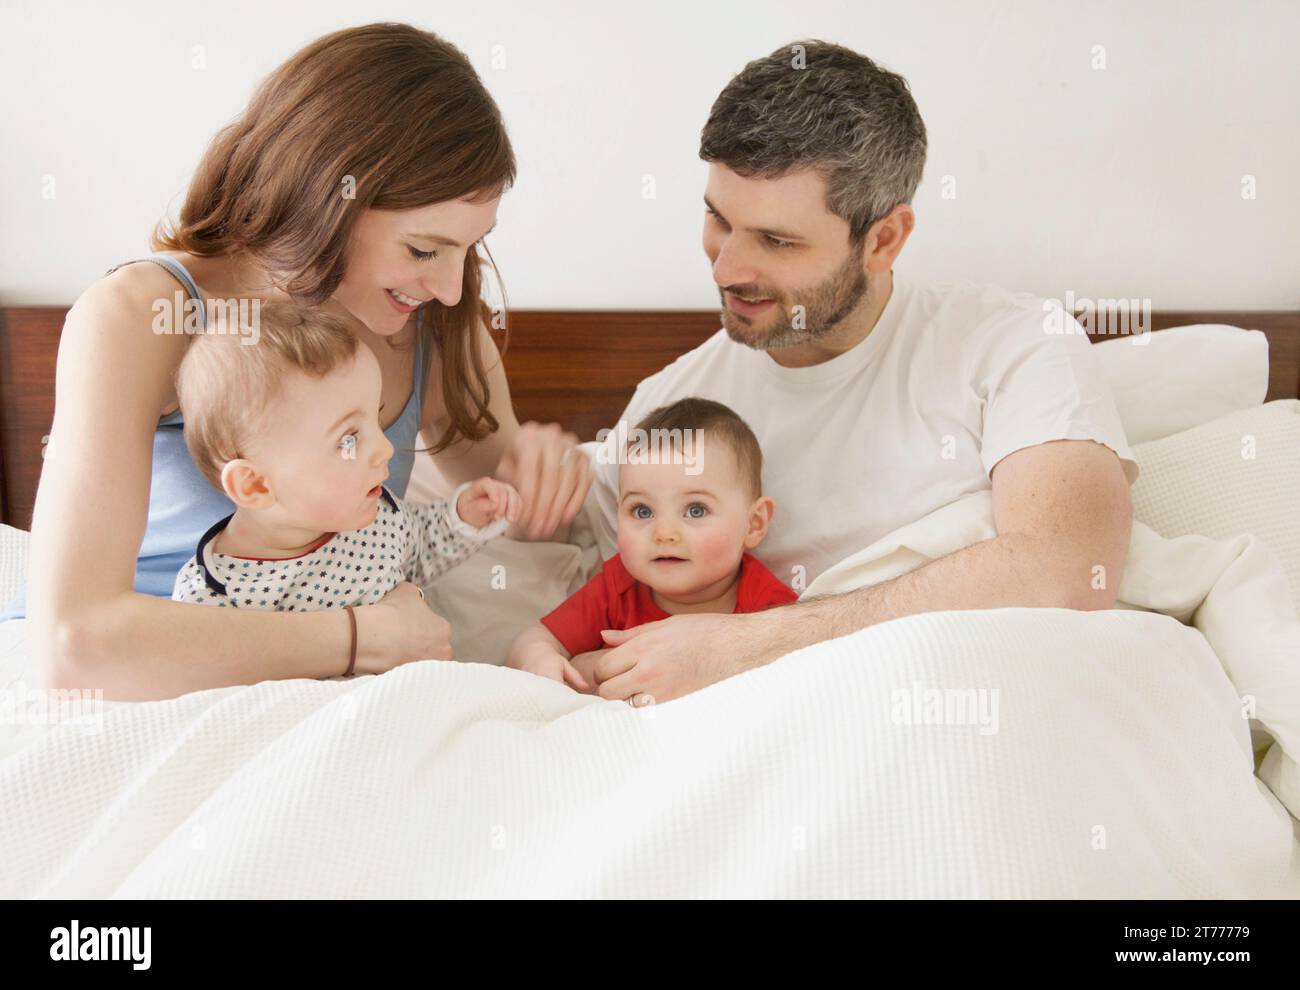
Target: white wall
{"points": [[1122, 181]]}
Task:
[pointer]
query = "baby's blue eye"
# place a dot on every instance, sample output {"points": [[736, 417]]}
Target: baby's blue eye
{"points": [[638, 509], [692, 514], [348, 446]]}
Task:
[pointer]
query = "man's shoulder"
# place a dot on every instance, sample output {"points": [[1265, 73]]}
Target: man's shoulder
{"points": [[694, 367], [966, 304], [975, 323]]}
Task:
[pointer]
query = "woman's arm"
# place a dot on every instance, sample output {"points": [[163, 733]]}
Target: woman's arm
{"points": [[89, 628]]}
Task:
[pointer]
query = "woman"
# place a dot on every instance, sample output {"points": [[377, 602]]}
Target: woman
{"points": [[361, 178]]}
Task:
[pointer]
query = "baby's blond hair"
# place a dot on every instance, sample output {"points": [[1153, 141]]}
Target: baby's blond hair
{"points": [[227, 381]]}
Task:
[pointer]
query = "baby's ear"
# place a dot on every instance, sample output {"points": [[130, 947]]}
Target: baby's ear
{"points": [[760, 518], [245, 485]]}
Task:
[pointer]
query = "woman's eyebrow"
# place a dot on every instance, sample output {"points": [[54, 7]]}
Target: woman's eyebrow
{"points": [[439, 239]]}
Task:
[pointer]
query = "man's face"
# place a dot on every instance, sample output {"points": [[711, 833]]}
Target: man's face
{"points": [[783, 262]]}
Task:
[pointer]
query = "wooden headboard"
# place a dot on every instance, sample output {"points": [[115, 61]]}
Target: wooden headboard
{"points": [[576, 367]]}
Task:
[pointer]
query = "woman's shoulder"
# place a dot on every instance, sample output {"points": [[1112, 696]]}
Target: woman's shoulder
{"points": [[126, 291], [112, 329]]}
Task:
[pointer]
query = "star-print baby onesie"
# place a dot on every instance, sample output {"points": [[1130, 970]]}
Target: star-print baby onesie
{"points": [[406, 542]]}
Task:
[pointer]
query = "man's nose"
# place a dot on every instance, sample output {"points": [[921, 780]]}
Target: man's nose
{"points": [[732, 265]]}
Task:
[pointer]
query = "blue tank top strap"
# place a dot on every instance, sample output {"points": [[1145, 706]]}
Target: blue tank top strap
{"points": [[180, 273], [419, 376]]}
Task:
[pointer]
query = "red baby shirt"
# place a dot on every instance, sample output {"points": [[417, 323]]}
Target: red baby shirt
{"points": [[613, 599]]}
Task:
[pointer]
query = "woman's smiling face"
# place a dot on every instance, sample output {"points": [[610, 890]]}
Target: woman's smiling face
{"points": [[398, 259]]}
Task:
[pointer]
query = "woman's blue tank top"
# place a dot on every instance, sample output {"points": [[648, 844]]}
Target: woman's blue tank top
{"points": [[183, 504]]}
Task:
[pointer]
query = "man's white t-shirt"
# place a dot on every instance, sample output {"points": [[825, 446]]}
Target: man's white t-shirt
{"points": [[951, 379]]}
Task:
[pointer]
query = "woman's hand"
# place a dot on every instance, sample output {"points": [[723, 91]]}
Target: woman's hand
{"points": [[551, 474], [400, 628]]}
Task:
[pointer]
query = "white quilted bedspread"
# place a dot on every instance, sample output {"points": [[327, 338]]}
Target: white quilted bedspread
{"points": [[1107, 757]]}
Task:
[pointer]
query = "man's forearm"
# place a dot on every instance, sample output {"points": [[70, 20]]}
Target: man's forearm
{"points": [[1007, 571]]}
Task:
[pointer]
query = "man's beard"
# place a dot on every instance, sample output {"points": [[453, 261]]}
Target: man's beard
{"points": [[825, 306]]}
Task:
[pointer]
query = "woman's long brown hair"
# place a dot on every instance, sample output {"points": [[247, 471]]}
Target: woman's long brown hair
{"points": [[395, 115]]}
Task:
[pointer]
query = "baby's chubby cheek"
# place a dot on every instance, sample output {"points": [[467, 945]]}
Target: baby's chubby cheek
{"points": [[634, 551], [333, 506], [716, 551]]}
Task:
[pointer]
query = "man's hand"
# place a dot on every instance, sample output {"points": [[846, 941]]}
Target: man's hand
{"points": [[675, 656], [1061, 510]]}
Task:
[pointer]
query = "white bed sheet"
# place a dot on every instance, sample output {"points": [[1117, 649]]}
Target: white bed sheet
{"points": [[1120, 767]]}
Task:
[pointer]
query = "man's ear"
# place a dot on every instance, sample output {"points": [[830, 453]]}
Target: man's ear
{"points": [[760, 518], [886, 237], [245, 485]]}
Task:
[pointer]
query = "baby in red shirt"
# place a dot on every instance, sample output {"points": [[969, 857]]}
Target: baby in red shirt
{"points": [[690, 509]]}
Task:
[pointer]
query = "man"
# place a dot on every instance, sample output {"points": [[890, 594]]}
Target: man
{"points": [[876, 401]]}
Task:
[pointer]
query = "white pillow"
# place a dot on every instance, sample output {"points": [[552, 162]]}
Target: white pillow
{"points": [[501, 589], [507, 585], [1238, 474], [1172, 380]]}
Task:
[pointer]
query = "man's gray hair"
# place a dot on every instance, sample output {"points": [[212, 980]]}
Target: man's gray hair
{"points": [[816, 104]]}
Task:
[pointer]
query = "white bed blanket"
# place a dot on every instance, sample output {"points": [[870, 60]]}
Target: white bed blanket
{"points": [[1234, 591], [1106, 756]]}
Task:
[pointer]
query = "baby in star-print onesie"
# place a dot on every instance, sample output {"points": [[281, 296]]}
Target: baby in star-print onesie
{"points": [[289, 428], [406, 542]]}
